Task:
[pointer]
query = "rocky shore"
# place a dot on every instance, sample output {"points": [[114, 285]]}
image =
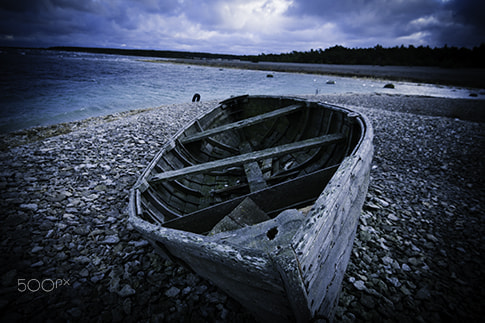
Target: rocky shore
{"points": [[69, 254]]}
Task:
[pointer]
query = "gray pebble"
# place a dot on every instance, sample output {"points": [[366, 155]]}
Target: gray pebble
{"points": [[172, 292], [111, 239], [29, 206], [359, 284], [127, 290]]}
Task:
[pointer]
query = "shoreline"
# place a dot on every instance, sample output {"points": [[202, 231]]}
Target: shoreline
{"points": [[29, 135], [362, 72], [464, 77], [465, 109], [416, 252]]}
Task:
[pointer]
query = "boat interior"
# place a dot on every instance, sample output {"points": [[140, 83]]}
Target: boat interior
{"points": [[279, 152]]}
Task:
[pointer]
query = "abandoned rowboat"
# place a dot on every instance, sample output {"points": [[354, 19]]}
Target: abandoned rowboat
{"points": [[262, 197]]}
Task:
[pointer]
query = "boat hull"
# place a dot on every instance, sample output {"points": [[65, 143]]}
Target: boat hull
{"points": [[290, 266]]}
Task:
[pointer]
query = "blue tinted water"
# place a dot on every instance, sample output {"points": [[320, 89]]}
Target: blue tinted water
{"points": [[46, 87]]}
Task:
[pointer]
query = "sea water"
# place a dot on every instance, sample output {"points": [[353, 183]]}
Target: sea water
{"points": [[40, 87]]}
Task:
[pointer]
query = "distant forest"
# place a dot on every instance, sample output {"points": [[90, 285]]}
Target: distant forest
{"points": [[145, 52], [451, 57], [404, 56]]}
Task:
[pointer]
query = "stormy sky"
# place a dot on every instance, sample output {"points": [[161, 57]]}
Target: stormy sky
{"points": [[241, 26]]}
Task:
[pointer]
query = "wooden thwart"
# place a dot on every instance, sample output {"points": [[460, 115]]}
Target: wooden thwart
{"points": [[242, 123], [249, 157]]}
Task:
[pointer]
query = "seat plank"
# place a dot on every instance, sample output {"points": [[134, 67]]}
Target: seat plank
{"points": [[248, 157], [242, 123]]}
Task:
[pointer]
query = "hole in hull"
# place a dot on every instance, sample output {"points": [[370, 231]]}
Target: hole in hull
{"points": [[271, 234]]}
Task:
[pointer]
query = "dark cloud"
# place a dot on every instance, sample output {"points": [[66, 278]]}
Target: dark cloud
{"points": [[379, 10], [468, 12], [394, 21], [241, 26], [467, 25]]}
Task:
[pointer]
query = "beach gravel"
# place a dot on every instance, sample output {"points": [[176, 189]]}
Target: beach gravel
{"points": [[68, 252]]}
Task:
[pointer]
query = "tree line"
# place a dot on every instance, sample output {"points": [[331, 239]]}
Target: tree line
{"points": [[451, 57], [144, 52]]}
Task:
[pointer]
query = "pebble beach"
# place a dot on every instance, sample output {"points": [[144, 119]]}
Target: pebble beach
{"points": [[69, 254]]}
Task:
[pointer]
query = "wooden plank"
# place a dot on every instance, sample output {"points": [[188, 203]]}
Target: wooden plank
{"points": [[254, 176], [286, 263], [242, 123], [249, 157], [245, 214], [219, 144], [253, 172], [161, 209]]}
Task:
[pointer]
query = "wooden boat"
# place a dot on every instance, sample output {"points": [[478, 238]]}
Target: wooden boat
{"points": [[262, 197]]}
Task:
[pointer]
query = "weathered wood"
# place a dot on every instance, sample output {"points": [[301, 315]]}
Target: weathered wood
{"points": [[324, 245], [222, 146], [231, 267], [242, 123], [249, 157], [245, 214], [286, 263], [253, 172], [254, 176]]}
